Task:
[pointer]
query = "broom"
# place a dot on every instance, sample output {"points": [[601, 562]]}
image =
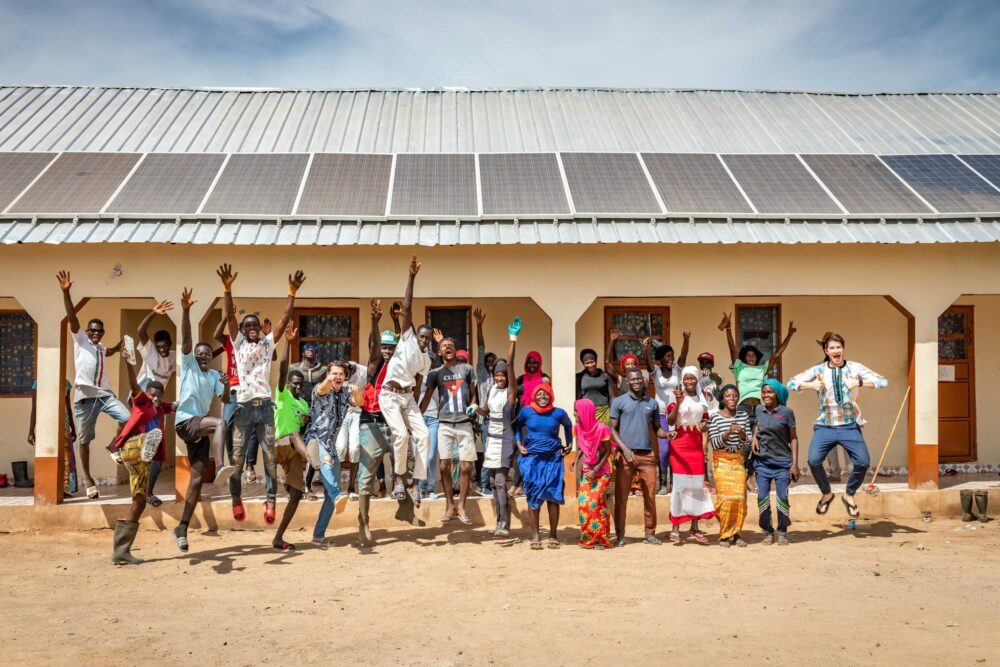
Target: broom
{"points": [[871, 489]]}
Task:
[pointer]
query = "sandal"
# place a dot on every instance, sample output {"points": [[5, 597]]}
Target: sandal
{"points": [[464, 518], [154, 501], [268, 514], [699, 537], [239, 514], [182, 540], [415, 497], [93, 493], [536, 546], [739, 541], [398, 492], [445, 518], [852, 510], [554, 543], [284, 546], [823, 505], [652, 539], [675, 536]]}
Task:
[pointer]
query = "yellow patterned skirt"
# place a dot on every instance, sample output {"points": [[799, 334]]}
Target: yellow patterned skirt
{"points": [[138, 470], [731, 488]]}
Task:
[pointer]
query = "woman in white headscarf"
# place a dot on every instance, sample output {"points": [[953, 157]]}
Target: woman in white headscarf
{"points": [[690, 500]]}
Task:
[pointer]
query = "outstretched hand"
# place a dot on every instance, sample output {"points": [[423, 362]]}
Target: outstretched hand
{"points": [[395, 310], [514, 328], [414, 266], [615, 334], [727, 321], [291, 332], [479, 315], [438, 336], [64, 280], [186, 300], [163, 307], [791, 328], [376, 305], [295, 282], [225, 273]]}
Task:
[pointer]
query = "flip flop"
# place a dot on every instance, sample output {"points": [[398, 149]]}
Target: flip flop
{"points": [[554, 544], [852, 510], [536, 546], [268, 514], [464, 518], [154, 501], [445, 518], [285, 546], [239, 514], [398, 492], [675, 536], [699, 537], [824, 505]]}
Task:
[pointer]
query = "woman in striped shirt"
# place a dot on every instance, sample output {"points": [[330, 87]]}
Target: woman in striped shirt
{"points": [[729, 433]]}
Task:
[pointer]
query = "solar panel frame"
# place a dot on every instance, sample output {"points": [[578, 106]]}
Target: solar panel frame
{"points": [[780, 185], [168, 183], [522, 184], [864, 185], [987, 166], [435, 184], [695, 183], [946, 183], [257, 184], [346, 184], [609, 183], [17, 171], [77, 183]]}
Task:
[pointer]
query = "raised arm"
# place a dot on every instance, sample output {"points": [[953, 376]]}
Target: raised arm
{"points": [[682, 360], [294, 283], [647, 352], [406, 316], [132, 382], [290, 334], [513, 330], [609, 354], [159, 309], [781, 347], [727, 324], [219, 335], [374, 339], [394, 310], [226, 275], [65, 283], [186, 302], [480, 316]]}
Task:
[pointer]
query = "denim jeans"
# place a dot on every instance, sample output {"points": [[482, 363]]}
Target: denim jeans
{"points": [[824, 439], [329, 473], [427, 485], [768, 470], [228, 411], [86, 411], [251, 420]]}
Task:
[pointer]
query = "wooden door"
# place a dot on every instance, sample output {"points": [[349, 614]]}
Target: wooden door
{"points": [[956, 386]]}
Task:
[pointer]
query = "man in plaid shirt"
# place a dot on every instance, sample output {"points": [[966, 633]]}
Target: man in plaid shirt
{"points": [[838, 382]]}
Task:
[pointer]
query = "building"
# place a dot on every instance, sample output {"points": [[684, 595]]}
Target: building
{"points": [[578, 209]]}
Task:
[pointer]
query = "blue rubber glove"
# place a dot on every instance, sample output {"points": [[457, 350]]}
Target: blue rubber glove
{"points": [[514, 328]]}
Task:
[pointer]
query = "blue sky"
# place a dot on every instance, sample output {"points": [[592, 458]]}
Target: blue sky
{"points": [[848, 45]]}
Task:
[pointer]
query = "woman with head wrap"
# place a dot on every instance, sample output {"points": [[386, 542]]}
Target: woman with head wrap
{"points": [[690, 499], [666, 377], [729, 434], [596, 443], [775, 446], [500, 411], [536, 433]]}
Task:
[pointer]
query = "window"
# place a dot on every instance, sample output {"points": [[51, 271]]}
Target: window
{"points": [[17, 353], [334, 330], [760, 326], [636, 323], [454, 322]]}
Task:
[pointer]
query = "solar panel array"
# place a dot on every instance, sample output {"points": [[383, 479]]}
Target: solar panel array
{"points": [[507, 184], [77, 182], [949, 185], [608, 183], [694, 183], [435, 184], [168, 183], [258, 184], [779, 184], [522, 184], [346, 184], [864, 185]]}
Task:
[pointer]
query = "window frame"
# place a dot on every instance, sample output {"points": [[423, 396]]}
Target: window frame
{"points": [[468, 326], [778, 371], [34, 348], [610, 311], [353, 313]]}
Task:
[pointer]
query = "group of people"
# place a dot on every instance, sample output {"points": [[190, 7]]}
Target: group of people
{"points": [[646, 430]]}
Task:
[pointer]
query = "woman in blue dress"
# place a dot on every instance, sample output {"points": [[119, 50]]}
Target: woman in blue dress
{"points": [[536, 432]]}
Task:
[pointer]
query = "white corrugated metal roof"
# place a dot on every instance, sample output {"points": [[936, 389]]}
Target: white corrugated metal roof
{"points": [[402, 233], [130, 119]]}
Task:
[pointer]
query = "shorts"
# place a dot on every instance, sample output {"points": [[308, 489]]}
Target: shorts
{"points": [[138, 470], [86, 410], [198, 446], [291, 463], [458, 438], [349, 437]]}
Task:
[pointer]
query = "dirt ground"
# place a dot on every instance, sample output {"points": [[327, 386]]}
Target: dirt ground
{"points": [[895, 594]]}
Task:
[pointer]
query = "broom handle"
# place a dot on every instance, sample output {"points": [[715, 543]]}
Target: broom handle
{"points": [[891, 433]]}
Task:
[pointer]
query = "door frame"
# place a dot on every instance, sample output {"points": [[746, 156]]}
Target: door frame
{"points": [[970, 337]]}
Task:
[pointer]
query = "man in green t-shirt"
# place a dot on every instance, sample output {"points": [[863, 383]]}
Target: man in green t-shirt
{"points": [[290, 416]]}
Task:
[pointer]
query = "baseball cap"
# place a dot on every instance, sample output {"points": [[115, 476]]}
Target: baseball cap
{"points": [[389, 338]]}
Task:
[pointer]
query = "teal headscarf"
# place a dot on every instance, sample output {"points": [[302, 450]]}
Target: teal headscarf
{"points": [[779, 389]]}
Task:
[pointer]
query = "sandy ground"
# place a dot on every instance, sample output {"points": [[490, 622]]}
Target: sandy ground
{"points": [[919, 593]]}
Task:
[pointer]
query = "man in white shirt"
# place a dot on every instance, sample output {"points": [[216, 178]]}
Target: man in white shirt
{"points": [[93, 393], [348, 444], [398, 398], [254, 408]]}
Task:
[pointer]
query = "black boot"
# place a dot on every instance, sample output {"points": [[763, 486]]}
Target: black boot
{"points": [[125, 532], [20, 470], [503, 521], [364, 533], [982, 497], [966, 496], [662, 491]]}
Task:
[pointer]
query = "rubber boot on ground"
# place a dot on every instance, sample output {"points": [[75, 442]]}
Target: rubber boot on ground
{"points": [[125, 533], [503, 521], [966, 496], [982, 498], [364, 532], [662, 491]]}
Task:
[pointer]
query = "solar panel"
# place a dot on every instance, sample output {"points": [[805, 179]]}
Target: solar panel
{"points": [[77, 183], [16, 171], [779, 184], [946, 183], [694, 183], [521, 183], [346, 184], [438, 184], [988, 166], [258, 184], [864, 185], [169, 183], [608, 183]]}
